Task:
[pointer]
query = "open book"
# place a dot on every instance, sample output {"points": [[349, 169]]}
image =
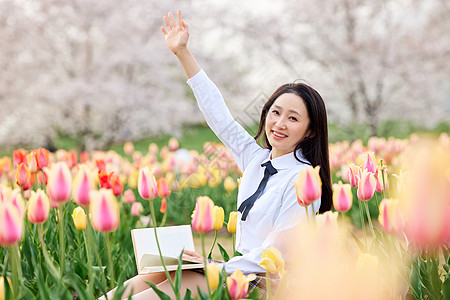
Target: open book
{"points": [[172, 240]]}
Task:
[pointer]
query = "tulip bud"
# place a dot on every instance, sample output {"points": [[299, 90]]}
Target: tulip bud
{"points": [[104, 211], [366, 187], [173, 144], [59, 186], [116, 185], [42, 157], [237, 284], [218, 217], [229, 184], [308, 187], [83, 184], [79, 218], [11, 225], [232, 221], [342, 197], [379, 181], [128, 196], [390, 217], [369, 163], [147, 186], [137, 209], [213, 273], [32, 162], [202, 220], [128, 148], [163, 187], [23, 175], [38, 207], [354, 173]]}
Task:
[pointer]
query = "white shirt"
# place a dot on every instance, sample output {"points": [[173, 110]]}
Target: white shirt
{"points": [[277, 209]]}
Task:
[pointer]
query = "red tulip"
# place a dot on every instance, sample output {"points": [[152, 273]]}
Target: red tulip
{"points": [[116, 185]]}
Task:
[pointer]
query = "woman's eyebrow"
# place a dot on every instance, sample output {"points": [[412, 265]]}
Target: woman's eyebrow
{"points": [[290, 110]]}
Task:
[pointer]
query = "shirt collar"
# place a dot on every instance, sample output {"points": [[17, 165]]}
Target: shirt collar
{"points": [[287, 161]]}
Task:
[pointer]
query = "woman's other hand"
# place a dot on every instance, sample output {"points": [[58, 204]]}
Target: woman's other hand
{"points": [[192, 256], [177, 33]]}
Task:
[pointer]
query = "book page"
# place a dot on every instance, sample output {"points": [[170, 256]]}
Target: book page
{"points": [[172, 240]]}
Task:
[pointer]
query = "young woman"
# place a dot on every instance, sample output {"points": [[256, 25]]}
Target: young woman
{"points": [[293, 129]]}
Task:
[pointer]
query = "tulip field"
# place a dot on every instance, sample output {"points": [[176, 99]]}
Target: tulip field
{"points": [[65, 221]]}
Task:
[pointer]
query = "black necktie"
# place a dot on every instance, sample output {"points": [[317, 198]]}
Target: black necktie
{"points": [[245, 206]]}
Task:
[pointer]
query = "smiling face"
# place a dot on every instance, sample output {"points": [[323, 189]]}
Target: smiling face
{"points": [[286, 123]]}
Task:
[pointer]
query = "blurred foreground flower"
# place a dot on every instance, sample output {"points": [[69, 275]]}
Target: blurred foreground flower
{"points": [[38, 207], [11, 225], [213, 274], [237, 284], [272, 261]]}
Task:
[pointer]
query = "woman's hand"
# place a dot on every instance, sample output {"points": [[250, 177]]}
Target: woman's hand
{"points": [[192, 256], [177, 33]]}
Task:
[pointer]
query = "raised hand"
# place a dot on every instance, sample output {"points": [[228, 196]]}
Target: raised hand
{"points": [[177, 33]]}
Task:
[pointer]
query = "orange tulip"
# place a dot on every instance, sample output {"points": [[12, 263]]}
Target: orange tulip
{"points": [[163, 187], [366, 187], [11, 225], [83, 184], [104, 210], [342, 196], [147, 186], [203, 217], [38, 207], [42, 156], [163, 207], [23, 175], [308, 187], [59, 186], [32, 162], [116, 184]]}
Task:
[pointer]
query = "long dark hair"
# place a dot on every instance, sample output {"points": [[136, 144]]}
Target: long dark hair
{"points": [[315, 145]]}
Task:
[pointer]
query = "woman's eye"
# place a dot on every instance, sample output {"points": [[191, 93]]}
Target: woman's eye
{"points": [[275, 112], [293, 118]]}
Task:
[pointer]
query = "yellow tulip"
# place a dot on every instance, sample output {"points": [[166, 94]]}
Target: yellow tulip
{"points": [[232, 222], [79, 218], [229, 184], [218, 217], [213, 272], [2, 286], [272, 261]]}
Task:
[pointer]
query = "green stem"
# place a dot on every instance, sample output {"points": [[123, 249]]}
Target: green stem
{"points": [[44, 251], [19, 265], [369, 218], [376, 198], [112, 283], [269, 293], [177, 293], [163, 221], [14, 275], [314, 214], [363, 225], [382, 177], [5, 261], [89, 261], [62, 240], [213, 244], [204, 262], [95, 249], [234, 242]]}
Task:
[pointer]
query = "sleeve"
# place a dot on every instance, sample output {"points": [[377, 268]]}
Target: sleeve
{"points": [[212, 105], [289, 216]]}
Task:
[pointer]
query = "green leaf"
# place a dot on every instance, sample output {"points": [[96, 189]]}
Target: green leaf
{"points": [[202, 294], [178, 273], [255, 294], [446, 288], [43, 288], [74, 281], [224, 253], [415, 282], [161, 294], [188, 294]]}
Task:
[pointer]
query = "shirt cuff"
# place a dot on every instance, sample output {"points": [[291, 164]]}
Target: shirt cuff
{"points": [[197, 79]]}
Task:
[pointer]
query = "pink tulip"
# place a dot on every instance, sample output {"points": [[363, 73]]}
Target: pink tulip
{"points": [[42, 157], [390, 217], [379, 181], [308, 187], [136, 209], [59, 186], [366, 187], [369, 163], [17, 200], [38, 207], [104, 211], [237, 284], [32, 162], [173, 144], [354, 173], [128, 148], [128, 196], [83, 184], [23, 175], [147, 186], [342, 197], [11, 225], [203, 216]]}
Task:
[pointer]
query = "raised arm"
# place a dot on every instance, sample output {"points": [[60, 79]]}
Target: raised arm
{"points": [[177, 36]]}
